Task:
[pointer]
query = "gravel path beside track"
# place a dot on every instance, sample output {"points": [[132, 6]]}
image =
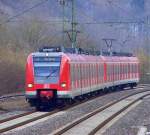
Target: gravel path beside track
{"points": [[13, 106], [132, 121], [65, 117]]}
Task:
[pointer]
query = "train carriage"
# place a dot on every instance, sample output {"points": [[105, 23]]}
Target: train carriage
{"points": [[57, 75]]}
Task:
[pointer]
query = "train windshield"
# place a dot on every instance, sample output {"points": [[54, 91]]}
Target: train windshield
{"points": [[46, 70]]}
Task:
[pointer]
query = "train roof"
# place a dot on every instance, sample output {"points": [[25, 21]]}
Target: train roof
{"points": [[86, 58], [40, 54], [119, 59]]}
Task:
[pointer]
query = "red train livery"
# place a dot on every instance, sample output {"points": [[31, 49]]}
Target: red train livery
{"points": [[58, 75]]}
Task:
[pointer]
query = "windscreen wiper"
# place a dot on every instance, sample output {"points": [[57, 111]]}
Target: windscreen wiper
{"points": [[51, 73]]}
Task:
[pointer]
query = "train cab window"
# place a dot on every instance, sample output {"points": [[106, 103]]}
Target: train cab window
{"points": [[46, 69]]}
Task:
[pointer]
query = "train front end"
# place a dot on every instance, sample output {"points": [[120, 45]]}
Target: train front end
{"points": [[46, 78]]}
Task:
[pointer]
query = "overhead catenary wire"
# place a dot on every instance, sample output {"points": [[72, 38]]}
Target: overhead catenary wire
{"points": [[124, 10], [24, 11], [11, 19], [91, 22], [127, 21], [86, 23], [95, 22]]}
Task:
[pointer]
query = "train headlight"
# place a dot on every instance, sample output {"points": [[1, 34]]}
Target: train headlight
{"points": [[30, 85], [63, 84]]}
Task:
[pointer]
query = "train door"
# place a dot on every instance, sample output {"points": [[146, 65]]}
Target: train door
{"points": [[102, 72], [97, 72], [72, 76], [113, 79], [82, 77], [125, 71], [105, 72], [132, 69], [90, 76], [128, 70], [115, 69], [79, 78], [119, 71], [86, 75], [108, 77], [101, 75], [76, 76], [137, 70]]}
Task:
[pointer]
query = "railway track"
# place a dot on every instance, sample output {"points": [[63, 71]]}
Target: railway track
{"points": [[25, 118], [22, 119], [16, 116], [91, 123], [11, 96], [3, 98]]}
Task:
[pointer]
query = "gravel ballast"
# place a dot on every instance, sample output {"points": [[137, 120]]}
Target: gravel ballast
{"points": [[13, 106], [132, 121], [57, 121]]}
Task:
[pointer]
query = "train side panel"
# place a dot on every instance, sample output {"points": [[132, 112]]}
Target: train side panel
{"points": [[63, 90], [29, 85], [79, 75]]}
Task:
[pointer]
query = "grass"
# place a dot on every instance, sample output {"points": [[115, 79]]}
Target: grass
{"points": [[12, 71]]}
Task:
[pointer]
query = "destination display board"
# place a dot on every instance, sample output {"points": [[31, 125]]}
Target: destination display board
{"points": [[46, 59]]}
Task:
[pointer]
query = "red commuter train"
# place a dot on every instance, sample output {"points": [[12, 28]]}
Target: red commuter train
{"points": [[51, 76]]}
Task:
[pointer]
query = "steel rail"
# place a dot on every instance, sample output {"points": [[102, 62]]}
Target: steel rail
{"points": [[11, 96], [52, 112], [16, 116], [22, 95], [85, 117], [26, 121], [101, 125], [37, 118]]}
